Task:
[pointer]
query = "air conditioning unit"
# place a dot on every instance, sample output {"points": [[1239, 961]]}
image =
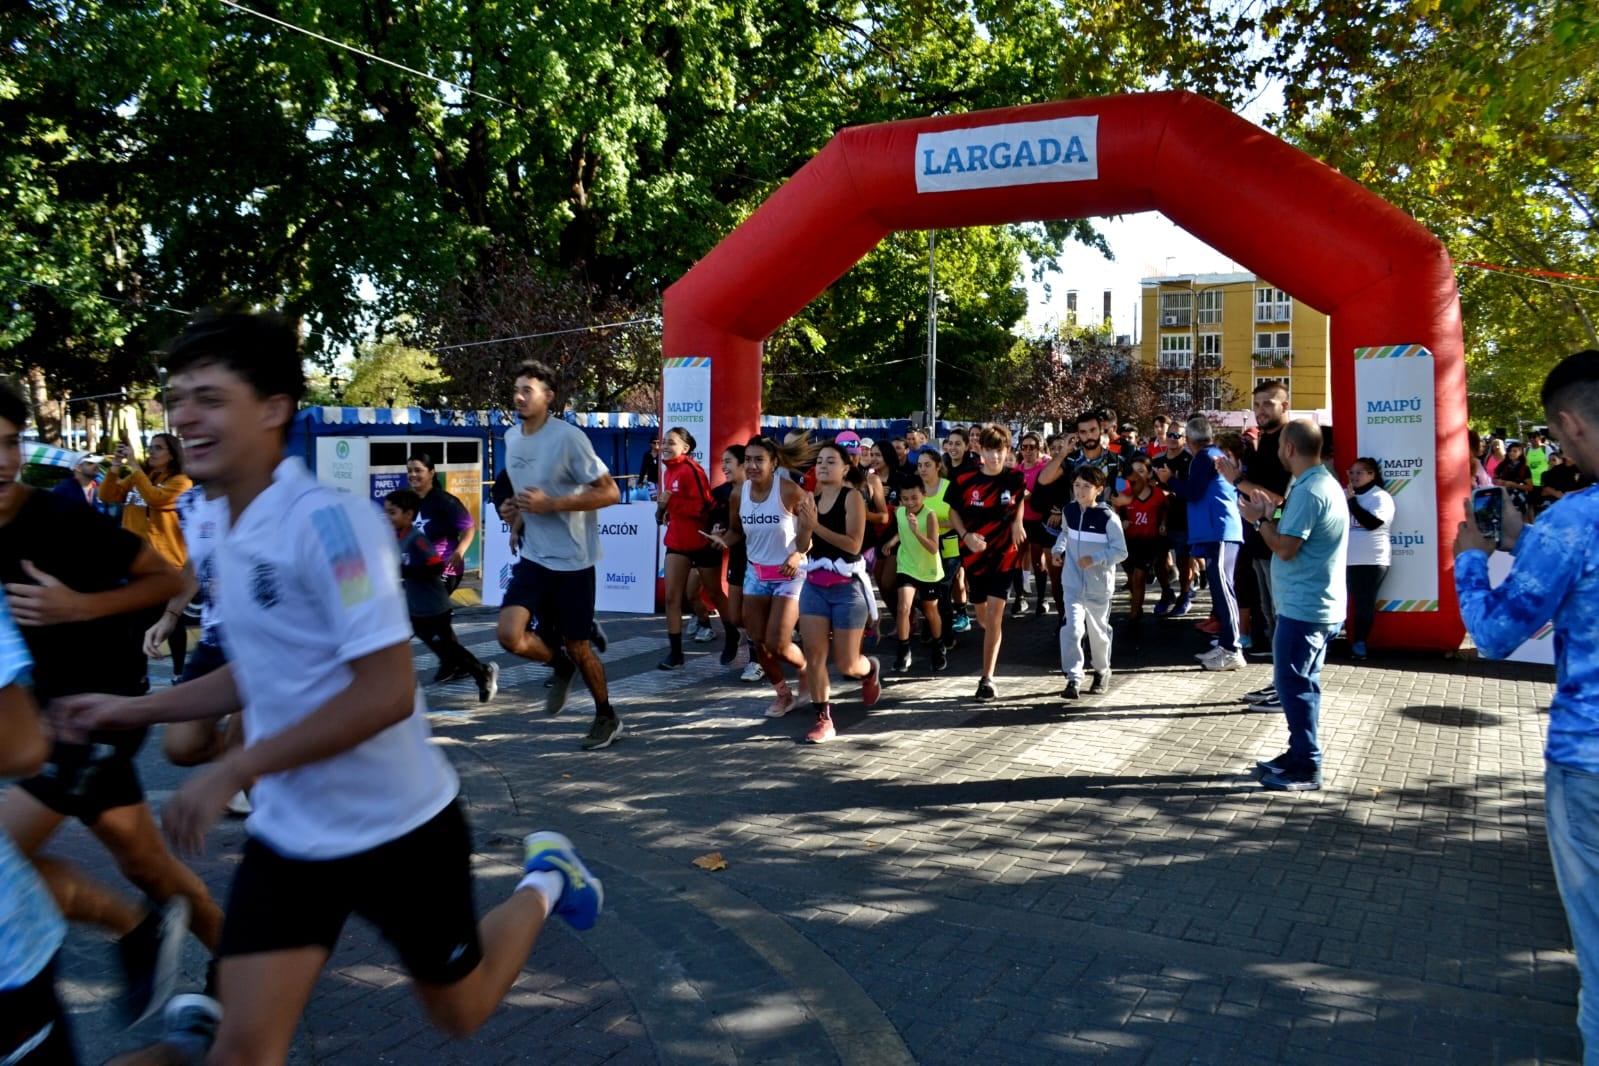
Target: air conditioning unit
{"points": [[1171, 320]]}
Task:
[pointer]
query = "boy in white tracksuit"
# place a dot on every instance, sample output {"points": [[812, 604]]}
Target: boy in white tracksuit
{"points": [[1091, 544]]}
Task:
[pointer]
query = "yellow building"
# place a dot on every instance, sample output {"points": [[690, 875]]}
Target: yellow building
{"points": [[1215, 337]]}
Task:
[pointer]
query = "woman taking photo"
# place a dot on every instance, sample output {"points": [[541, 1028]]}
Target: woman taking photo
{"points": [[834, 598], [763, 515], [685, 504], [148, 495], [1514, 474], [1371, 513]]}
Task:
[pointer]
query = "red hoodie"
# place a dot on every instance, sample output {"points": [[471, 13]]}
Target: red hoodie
{"points": [[686, 508]]}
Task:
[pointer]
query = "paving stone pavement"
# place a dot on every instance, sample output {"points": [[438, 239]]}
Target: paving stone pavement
{"points": [[952, 881]]}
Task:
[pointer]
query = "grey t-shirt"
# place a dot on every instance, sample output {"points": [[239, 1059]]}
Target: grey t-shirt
{"points": [[558, 460]]}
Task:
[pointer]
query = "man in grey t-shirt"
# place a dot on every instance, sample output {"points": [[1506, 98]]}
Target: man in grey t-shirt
{"points": [[558, 483]]}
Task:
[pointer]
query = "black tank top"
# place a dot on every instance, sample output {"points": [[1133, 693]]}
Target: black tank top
{"points": [[834, 520]]}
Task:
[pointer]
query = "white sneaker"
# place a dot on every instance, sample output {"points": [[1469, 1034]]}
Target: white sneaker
{"points": [[1225, 660], [239, 805], [703, 634], [753, 672]]}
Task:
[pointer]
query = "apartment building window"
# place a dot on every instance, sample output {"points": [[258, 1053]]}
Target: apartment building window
{"points": [[1273, 305], [1209, 356], [1208, 394], [1210, 307], [1176, 351], [1273, 351], [1176, 309]]}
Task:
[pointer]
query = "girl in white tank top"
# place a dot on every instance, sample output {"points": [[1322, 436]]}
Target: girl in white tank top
{"points": [[768, 528]]}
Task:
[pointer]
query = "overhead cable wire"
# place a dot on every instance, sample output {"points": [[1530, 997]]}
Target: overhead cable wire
{"points": [[551, 333], [369, 55]]}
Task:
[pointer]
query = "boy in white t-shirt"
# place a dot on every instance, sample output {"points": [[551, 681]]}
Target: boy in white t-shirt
{"points": [[355, 811]]}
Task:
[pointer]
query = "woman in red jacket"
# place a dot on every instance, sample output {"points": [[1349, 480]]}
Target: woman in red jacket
{"points": [[684, 505]]}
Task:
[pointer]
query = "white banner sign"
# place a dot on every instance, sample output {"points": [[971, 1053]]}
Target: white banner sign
{"points": [[625, 575], [624, 578], [1018, 153], [1538, 648], [1395, 423], [342, 463], [686, 399]]}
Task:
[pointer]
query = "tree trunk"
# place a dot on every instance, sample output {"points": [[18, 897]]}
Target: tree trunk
{"points": [[46, 412]]}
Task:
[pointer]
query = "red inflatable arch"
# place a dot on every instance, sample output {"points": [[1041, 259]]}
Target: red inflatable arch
{"points": [[1381, 277]]}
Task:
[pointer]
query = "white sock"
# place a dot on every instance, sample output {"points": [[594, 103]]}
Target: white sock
{"points": [[549, 884]]}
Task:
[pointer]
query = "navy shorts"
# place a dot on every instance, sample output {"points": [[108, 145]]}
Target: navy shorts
{"points": [[560, 601], [83, 781]]}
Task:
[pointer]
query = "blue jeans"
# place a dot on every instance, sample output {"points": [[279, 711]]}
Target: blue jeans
{"points": [[1298, 649], [1220, 558], [1571, 802]]}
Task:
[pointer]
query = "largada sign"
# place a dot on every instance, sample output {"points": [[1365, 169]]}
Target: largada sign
{"points": [[1016, 153]]}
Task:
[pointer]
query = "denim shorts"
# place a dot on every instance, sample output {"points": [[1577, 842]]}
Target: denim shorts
{"points": [[787, 589], [843, 605]]}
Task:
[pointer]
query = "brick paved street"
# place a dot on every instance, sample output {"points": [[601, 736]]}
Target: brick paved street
{"points": [[951, 882]]}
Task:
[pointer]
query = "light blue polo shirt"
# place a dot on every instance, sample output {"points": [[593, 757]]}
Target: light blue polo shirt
{"points": [[1310, 586]]}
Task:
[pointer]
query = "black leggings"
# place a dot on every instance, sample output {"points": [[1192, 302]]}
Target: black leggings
{"points": [[435, 632], [1363, 583]]}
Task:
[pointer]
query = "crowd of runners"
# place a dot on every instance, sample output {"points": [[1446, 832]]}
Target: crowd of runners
{"points": [[846, 556]]}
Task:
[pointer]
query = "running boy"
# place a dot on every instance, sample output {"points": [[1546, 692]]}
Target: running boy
{"points": [[920, 571], [1143, 509], [1091, 544], [427, 596], [355, 810]]}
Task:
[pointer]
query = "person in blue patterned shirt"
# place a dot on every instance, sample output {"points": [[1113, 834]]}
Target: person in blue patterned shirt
{"points": [[32, 1025], [1555, 579]]}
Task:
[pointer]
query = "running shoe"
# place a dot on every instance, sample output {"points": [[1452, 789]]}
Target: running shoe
{"points": [[191, 1022], [753, 672], [582, 896], [1225, 660], [239, 806], [730, 648], [598, 638], [871, 684], [1358, 650], [1281, 782], [1071, 691], [940, 656], [603, 733], [447, 674], [1180, 608], [902, 661], [704, 634], [985, 689], [1165, 604], [1210, 626], [560, 684], [782, 704], [674, 660], [962, 624], [1101, 683], [1255, 696], [1018, 609], [1245, 641], [823, 730], [489, 687], [1275, 766], [1270, 703], [150, 955]]}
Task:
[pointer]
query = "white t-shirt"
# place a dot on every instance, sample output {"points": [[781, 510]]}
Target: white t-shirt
{"points": [[1370, 547], [203, 522], [308, 582]]}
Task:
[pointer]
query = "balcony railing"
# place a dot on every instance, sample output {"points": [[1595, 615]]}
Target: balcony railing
{"points": [[1272, 358]]}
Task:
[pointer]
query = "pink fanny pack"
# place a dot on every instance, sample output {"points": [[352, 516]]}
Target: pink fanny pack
{"points": [[826, 579], [763, 572]]}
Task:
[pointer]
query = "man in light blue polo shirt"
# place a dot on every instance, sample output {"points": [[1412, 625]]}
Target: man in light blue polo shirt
{"points": [[1307, 582]]}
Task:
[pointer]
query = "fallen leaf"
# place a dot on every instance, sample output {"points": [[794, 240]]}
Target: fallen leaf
{"points": [[711, 862], [567, 776]]}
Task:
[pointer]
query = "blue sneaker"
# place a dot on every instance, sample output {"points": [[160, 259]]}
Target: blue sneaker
{"points": [[1358, 649], [962, 624], [583, 896], [1161, 608], [1180, 608], [1245, 641]]}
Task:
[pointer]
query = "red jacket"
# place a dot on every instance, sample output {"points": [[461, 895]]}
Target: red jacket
{"points": [[686, 508]]}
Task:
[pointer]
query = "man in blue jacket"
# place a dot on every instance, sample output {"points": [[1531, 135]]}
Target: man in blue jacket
{"points": [[1555, 577], [1215, 533]]}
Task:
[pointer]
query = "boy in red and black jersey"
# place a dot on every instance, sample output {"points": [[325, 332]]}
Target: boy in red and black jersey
{"points": [[986, 513], [1145, 509]]}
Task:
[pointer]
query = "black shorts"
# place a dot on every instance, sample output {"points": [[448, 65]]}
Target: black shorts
{"points": [[701, 559], [989, 584], [561, 601], [83, 781], [32, 1014], [205, 658], [416, 889], [737, 562], [1040, 534], [1144, 553], [926, 591]]}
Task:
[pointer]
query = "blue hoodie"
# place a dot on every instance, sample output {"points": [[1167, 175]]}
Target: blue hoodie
{"points": [[1212, 501]]}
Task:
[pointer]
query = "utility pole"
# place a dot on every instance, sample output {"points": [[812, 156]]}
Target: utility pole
{"points": [[930, 400]]}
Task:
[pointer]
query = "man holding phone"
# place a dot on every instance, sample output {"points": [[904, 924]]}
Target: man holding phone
{"points": [[1555, 577]]}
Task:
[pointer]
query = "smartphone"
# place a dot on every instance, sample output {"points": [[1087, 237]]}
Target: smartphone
{"points": [[1488, 507]]}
